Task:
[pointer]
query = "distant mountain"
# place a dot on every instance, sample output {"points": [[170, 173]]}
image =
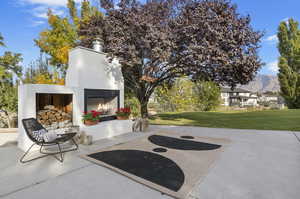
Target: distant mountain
{"points": [[263, 83]]}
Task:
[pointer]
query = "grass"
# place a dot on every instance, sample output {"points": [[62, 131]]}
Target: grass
{"points": [[261, 120]]}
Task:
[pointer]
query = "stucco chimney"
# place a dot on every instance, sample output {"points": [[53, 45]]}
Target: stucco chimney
{"points": [[97, 45]]}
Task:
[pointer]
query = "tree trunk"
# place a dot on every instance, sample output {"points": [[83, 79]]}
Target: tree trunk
{"points": [[144, 109], [143, 98]]}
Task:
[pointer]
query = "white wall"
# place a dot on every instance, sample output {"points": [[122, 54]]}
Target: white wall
{"points": [[91, 70]]}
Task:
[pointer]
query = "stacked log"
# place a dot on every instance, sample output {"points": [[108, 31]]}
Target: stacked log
{"points": [[52, 118]]}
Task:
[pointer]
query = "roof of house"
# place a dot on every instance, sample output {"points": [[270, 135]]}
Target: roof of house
{"points": [[236, 90]]}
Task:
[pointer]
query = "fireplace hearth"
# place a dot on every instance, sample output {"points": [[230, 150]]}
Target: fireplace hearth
{"points": [[105, 101]]}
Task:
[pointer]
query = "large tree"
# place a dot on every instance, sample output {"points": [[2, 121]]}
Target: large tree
{"points": [[62, 33], [160, 40], [289, 62]]}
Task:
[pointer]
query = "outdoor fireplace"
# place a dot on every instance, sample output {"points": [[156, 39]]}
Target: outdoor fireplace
{"points": [[91, 82], [105, 101]]}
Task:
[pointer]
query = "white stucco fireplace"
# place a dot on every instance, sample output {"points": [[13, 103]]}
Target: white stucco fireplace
{"points": [[91, 83]]}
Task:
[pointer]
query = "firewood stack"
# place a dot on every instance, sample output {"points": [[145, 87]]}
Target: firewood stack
{"points": [[52, 118]]}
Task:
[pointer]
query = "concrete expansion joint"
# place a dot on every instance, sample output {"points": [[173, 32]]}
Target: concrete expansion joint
{"points": [[298, 138]]}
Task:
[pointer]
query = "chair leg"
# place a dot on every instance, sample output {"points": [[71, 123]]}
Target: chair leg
{"points": [[61, 159], [25, 161], [74, 144], [61, 152]]}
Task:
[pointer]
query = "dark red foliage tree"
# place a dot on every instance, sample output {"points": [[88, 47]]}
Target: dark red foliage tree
{"points": [[160, 40]]}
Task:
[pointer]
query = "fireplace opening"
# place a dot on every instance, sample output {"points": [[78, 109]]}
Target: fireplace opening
{"points": [[105, 101], [54, 111]]}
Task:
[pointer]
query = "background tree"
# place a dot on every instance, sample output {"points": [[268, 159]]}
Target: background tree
{"points": [[289, 62], [180, 96], [10, 65], [186, 95], [160, 40], [62, 34], [208, 95], [39, 72], [10, 72], [1, 40]]}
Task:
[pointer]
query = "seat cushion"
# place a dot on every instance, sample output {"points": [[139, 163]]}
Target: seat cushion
{"points": [[39, 135], [50, 136]]}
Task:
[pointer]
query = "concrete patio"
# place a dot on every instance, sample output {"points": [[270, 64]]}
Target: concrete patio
{"points": [[257, 165]]}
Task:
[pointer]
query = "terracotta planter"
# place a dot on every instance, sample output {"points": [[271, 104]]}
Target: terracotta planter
{"points": [[122, 117], [90, 123]]}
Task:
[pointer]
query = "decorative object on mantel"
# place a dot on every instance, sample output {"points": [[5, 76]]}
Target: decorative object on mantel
{"points": [[83, 138], [123, 113], [140, 124], [91, 118]]}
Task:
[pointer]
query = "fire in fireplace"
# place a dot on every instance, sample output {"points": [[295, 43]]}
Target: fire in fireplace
{"points": [[105, 101]]}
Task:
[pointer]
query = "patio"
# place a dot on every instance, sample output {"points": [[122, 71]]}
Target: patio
{"points": [[257, 164]]}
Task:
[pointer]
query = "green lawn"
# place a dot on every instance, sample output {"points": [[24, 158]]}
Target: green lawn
{"points": [[265, 120]]}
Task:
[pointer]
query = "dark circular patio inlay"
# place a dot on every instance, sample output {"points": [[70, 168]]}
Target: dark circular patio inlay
{"points": [[160, 150], [180, 144], [187, 137], [147, 165]]}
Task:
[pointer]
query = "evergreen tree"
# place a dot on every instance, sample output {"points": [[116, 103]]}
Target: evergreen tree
{"points": [[289, 62]]}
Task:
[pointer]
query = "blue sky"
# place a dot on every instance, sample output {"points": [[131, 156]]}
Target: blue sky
{"points": [[22, 20]]}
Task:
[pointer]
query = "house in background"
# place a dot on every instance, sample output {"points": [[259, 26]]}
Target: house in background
{"points": [[269, 97], [238, 97]]}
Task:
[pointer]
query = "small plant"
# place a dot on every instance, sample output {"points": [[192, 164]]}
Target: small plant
{"points": [[93, 116], [123, 112]]}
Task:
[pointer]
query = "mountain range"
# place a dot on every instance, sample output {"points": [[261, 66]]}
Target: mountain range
{"points": [[263, 83]]}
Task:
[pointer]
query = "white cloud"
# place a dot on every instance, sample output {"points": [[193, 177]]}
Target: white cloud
{"points": [[37, 23], [47, 2], [39, 9], [272, 38], [41, 12], [273, 66]]}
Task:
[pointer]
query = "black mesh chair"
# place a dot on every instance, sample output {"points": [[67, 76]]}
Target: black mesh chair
{"points": [[31, 125]]}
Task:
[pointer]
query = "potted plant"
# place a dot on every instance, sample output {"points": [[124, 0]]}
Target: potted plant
{"points": [[123, 113], [91, 118]]}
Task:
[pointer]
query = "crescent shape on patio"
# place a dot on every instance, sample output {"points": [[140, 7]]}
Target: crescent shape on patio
{"points": [[180, 144], [149, 166]]}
